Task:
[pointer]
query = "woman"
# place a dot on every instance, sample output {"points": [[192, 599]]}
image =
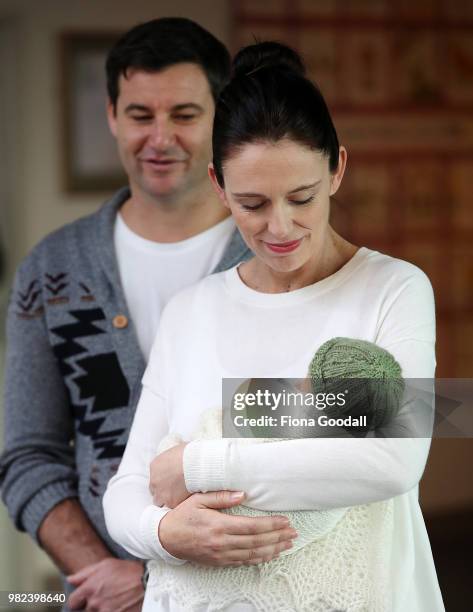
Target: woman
{"points": [[277, 162]]}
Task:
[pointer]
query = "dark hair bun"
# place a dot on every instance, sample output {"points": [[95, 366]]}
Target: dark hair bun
{"points": [[264, 55]]}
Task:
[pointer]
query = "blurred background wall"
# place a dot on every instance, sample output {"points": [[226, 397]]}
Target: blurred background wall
{"points": [[398, 78]]}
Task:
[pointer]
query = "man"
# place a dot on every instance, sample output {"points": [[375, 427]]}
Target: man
{"points": [[87, 301]]}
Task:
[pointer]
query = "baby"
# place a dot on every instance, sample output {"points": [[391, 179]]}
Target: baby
{"points": [[375, 385]]}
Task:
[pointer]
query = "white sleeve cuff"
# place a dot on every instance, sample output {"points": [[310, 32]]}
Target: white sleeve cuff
{"points": [[149, 529], [204, 465]]}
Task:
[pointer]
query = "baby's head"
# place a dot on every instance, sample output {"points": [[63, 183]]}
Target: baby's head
{"points": [[367, 375]]}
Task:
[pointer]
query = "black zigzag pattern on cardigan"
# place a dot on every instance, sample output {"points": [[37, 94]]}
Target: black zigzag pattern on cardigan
{"points": [[27, 299], [98, 378], [56, 283]]}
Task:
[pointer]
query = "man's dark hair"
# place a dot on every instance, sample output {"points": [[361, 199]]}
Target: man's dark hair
{"points": [[157, 44], [268, 99]]}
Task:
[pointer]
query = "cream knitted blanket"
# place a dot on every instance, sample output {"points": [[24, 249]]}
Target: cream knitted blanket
{"points": [[338, 562]]}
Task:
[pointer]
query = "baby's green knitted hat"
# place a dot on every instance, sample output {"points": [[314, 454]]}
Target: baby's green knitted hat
{"points": [[378, 386]]}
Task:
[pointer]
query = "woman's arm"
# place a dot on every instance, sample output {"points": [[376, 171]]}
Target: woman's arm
{"points": [[130, 515], [195, 530], [321, 474], [329, 473]]}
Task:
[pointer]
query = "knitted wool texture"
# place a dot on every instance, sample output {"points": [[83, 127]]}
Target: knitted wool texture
{"points": [[371, 375], [309, 524], [346, 548], [346, 570]]}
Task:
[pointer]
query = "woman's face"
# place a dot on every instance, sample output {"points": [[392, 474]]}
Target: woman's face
{"points": [[279, 195]]}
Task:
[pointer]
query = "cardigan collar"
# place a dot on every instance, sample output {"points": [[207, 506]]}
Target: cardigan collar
{"points": [[235, 251]]}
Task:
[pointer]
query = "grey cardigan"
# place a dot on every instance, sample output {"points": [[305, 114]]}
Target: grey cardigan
{"points": [[73, 372]]}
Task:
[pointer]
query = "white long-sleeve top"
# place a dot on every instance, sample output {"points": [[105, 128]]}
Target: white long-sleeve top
{"points": [[220, 328]]}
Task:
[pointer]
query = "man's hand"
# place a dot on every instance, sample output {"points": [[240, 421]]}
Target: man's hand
{"points": [[166, 482], [111, 585], [196, 531]]}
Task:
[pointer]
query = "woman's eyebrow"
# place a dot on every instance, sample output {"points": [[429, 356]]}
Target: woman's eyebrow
{"points": [[248, 195], [302, 187], [261, 195]]}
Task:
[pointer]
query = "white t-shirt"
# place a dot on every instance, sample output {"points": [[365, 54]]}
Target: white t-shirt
{"points": [[152, 272], [222, 328]]}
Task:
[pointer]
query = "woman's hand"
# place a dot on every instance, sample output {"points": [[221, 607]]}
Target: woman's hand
{"points": [[166, 482], [196, 531]]}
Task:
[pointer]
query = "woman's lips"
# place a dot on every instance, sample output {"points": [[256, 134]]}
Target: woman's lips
{"points": [[283, 247]]}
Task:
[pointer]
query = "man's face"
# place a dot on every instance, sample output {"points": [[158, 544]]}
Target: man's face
{"points": [[163, 126]]}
